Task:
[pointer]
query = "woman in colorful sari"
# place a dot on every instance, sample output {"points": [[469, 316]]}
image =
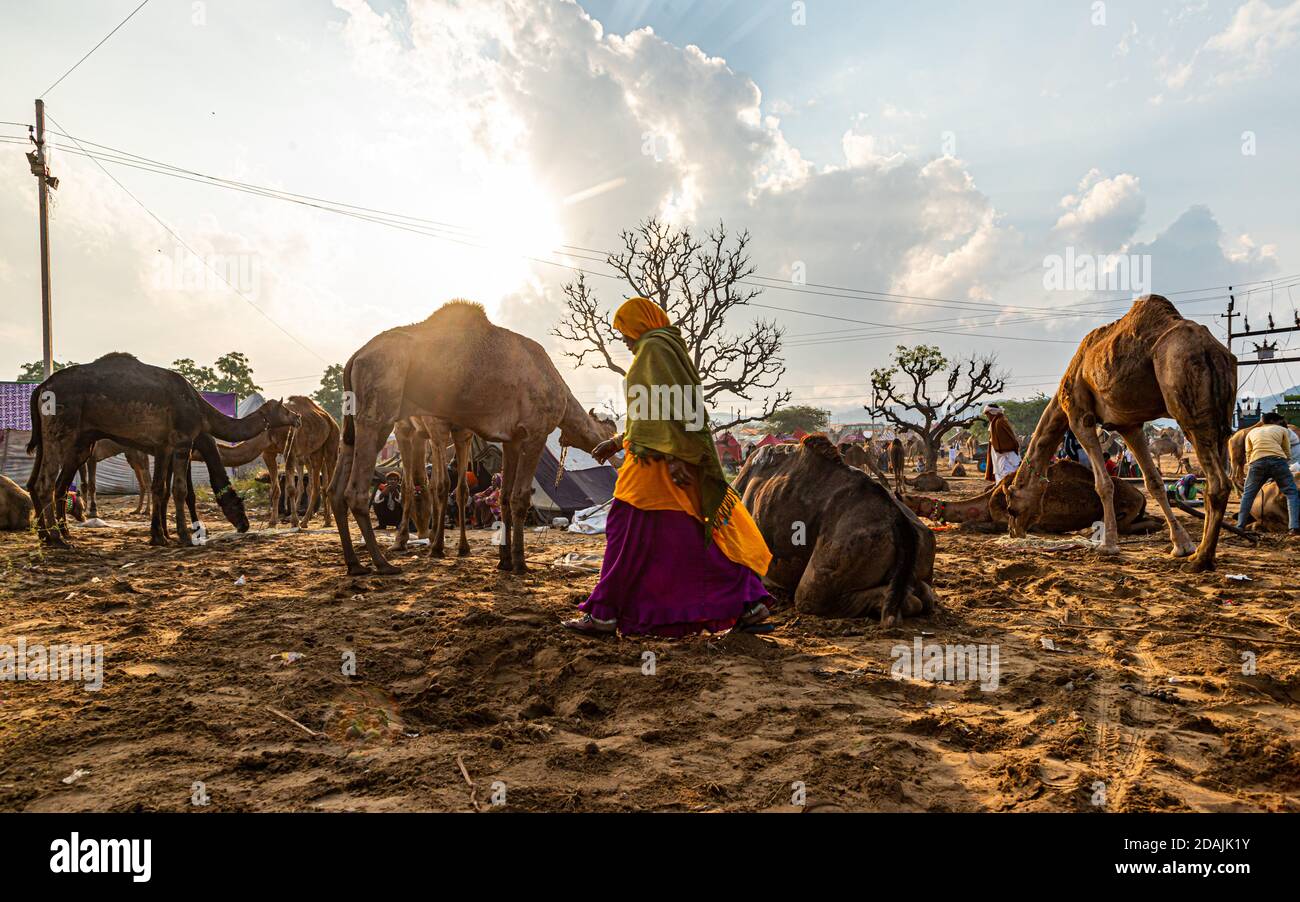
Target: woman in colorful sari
{"points": [[682, 554]]}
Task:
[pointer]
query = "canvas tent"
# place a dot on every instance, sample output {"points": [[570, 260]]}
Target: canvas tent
{"points": [[112, 476]]}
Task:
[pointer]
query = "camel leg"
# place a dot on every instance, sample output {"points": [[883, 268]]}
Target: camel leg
{"points": [[509, 464], [1137, 443], [438, 490], [370, 434], [55, 454], [1087, 436], [521, 498], [180, 473], [323, 479], [410, 448], [88, 485], [338, 502], [162, 465], [462, 488], [1217, 490], [313, 497], [273, 470], [141, 483], [293, 484]]}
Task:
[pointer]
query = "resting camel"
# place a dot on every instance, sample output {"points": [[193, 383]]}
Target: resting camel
{"points": [[1069, 503], [313, 450], [458, 367], [1150, 364], [15, 505], [138, 461], [855, 551], [1237, 454], [143, 407], [898, 464], [1269, 510]]}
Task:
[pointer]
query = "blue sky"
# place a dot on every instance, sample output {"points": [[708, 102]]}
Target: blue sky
{"points": [[940, 150]]}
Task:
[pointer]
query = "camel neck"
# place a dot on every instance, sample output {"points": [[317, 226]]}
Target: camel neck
{"points": [[242, 453], [578, 428], [234, 429]]}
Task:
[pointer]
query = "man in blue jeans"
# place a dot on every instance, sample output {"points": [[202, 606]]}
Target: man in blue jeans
{"points": [[1268, 452]]}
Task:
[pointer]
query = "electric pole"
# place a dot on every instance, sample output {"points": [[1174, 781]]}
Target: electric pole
{"points": [[40, 168]]}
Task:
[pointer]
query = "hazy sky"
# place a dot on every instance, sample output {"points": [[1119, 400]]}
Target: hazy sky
{"points": [[943, 151]]}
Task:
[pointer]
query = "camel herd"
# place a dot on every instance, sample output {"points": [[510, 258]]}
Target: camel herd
{"points": [[427, 384]]}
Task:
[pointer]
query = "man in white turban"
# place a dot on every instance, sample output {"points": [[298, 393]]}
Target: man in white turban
{"points": [[1004, 445]]}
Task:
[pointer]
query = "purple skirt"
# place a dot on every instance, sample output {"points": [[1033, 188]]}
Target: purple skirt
{"points": [[660, 578]]}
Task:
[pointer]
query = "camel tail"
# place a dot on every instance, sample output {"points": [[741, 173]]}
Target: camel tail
{"points": [[907, 549], [34, 403]]}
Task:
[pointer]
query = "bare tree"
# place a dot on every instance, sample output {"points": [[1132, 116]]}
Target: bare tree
{"points": [[698, 283], [965, 382]]}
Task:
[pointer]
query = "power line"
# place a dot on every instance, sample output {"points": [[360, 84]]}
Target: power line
{"points": [[185, 245], [93, 49]]}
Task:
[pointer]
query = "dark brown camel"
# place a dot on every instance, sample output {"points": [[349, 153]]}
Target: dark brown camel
{"points": [[1150, 364], [458, 367], [143, 407], [840, 542], [898, 464]]}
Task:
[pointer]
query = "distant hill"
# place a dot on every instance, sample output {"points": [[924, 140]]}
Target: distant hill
{"points": [[1268, 402]]}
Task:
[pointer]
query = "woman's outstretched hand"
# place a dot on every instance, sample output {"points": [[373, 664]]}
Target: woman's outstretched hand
{"points": [[680, 471], [606, 449]]}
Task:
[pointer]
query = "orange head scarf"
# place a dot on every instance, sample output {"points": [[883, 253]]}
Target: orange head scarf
{"points": [[638, 316]]}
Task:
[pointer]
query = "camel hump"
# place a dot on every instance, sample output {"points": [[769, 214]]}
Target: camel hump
{"points": [[117, 355], [822, 446], [461, 312]]}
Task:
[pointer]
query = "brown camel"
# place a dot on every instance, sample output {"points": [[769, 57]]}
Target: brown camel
{"points": [[1269, 510], [1150, 364], [15, 505], [1069, 503], [1166, 441], [138, 461], [853, 549], [458, 367], [863, 459], [1237, 453], [311, 452], [421, 439], [898, 464], [143, 407]]}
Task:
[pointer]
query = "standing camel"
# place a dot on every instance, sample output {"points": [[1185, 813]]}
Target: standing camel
{"points": [[313, 449], [898, 464], [138, 461], [458, 367], [421, 439], [1165, 441], [143, 407], [1149, 364]]}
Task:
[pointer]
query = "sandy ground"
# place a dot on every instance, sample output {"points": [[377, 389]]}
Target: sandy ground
{"points": [[467, 690]]}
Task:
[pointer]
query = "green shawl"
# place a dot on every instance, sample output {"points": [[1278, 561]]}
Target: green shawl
{"points": [[662, 359]]}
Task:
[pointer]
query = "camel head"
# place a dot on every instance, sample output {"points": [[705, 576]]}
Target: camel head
{"points": [[275, 414], [607, 427], [1024, 500], [232, 506]]}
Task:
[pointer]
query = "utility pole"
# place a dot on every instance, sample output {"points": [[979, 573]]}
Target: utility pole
{"points": [[40, 168]]}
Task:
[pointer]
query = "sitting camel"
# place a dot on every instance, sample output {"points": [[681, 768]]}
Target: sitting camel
{"points": [[840, 542], [143, 407], [15, 505], [1069, 503], [457, 367], [1269, 510], [1150, 364], [138, 461]]}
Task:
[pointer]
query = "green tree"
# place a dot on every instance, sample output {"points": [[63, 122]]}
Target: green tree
{"points": [[201, 377], [231, 373], [1023, 415], [35, 371], [330, 393], [788, 419], [916, 370]]}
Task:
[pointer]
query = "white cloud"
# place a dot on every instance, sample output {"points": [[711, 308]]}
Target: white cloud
{"points": [[1245, 49], [1103, 213]]}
